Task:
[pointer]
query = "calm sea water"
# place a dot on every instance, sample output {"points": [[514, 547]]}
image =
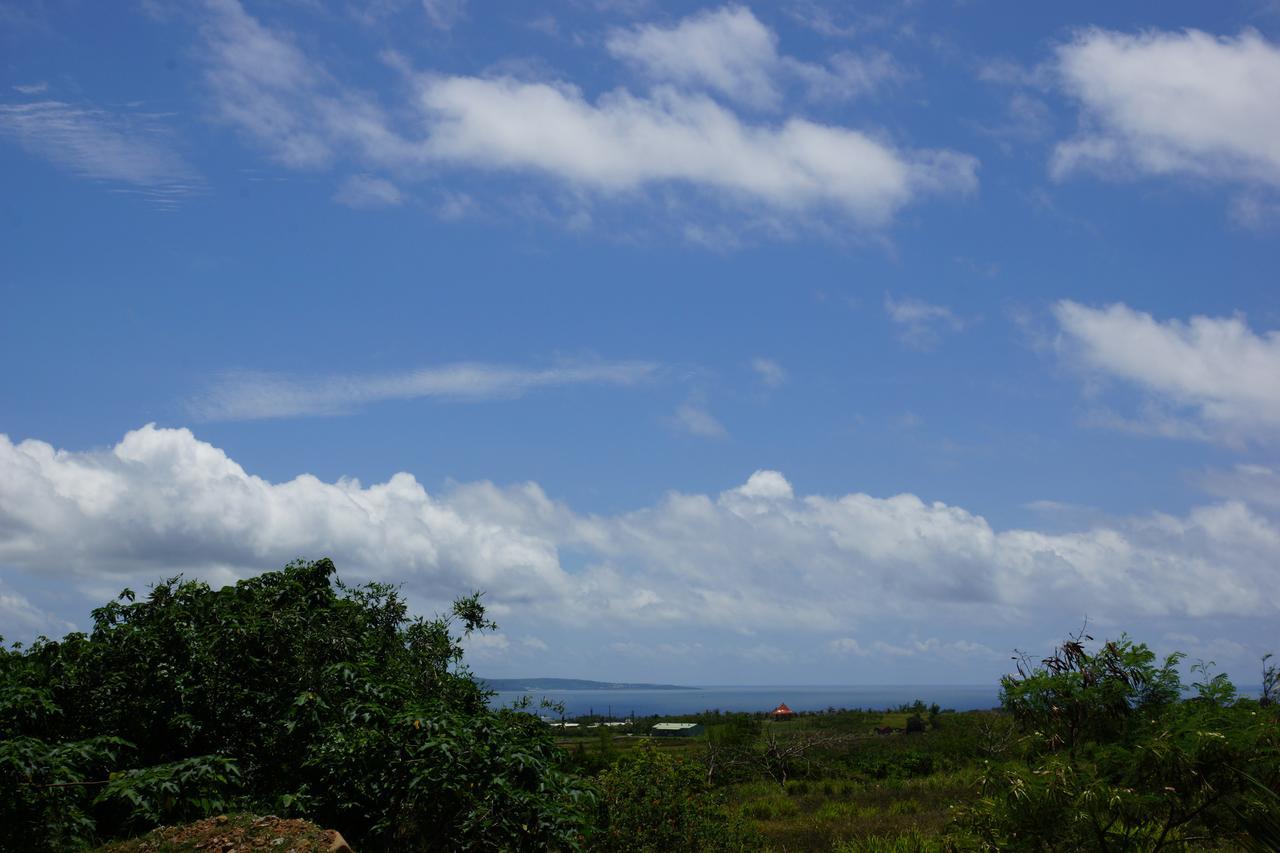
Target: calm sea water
{"points": [[623, 703]]}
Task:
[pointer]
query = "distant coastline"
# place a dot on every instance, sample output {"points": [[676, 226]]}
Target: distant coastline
{"points": [[516, 685]]}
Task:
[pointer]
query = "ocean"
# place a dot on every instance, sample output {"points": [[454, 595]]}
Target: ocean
{"points": [[643, 703]]}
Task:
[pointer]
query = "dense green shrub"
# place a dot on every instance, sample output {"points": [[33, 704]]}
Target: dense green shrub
{"points": [[652, 803], [287, 692], [1115, 760]]}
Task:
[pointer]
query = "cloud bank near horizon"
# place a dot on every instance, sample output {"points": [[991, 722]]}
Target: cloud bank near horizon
{"points": [[162, 501]]}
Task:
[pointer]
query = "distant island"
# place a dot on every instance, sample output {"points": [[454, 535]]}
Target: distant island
{"points": [[519, 684]]}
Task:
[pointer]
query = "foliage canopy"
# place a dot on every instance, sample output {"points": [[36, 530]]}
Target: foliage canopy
{"points": [[288, 692]]}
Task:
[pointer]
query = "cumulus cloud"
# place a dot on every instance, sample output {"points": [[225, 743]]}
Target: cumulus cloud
{"points": [[1159, 103], [1209, 376], [252, 396], [615, 144], [725, 50], [729, 52], [623, 142], [920, 324], [161, 501], [132, 151]]}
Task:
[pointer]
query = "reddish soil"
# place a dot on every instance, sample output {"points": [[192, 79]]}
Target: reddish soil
{"points": [[233, 834]]}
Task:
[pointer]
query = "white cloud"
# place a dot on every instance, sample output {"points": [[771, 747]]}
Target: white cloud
{"points": [[614, 145], [728, 51], [935, 648], [623, 143], [251, 396], [693, 417], [725, 50], [1185, 103], [443, 14], [366, 191], [765, 485], [161, 502], [847, 75], [31, 88], [21, 619], [820, 19], [847, 646], [1254, 211], [921, 324], [263, 84], [131, 150], [487, 646], [769, 371], [1218, 651], [535, 644], [1214, 372], [1257, 484]]}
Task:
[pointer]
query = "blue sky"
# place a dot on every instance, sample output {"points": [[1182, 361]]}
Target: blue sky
{"points": [[799, 342]]}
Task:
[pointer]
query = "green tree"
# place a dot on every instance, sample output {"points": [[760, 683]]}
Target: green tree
{"points": [[1113, 759], [1074, 695], [287, 692]]}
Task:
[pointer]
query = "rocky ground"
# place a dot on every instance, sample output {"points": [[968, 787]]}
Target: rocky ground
{"points": [[235, 833]]}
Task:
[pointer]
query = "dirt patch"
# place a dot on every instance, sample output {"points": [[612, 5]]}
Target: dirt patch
{"points": [[233, 834]]}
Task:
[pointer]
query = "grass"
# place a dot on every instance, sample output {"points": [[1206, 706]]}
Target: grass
{"points": [[849, 814], [864, 792]]}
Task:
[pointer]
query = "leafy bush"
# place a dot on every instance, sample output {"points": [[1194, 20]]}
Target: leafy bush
{"points": [[1115, 761], [288, 692], [654, 802], [172, 793], [43, 803]]}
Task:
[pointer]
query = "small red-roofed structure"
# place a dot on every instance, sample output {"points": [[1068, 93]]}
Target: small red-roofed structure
{"points": [[782, 712]]}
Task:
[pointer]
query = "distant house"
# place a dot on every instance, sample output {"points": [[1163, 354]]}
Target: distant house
{"points": [[676, 730], [782, 712]]}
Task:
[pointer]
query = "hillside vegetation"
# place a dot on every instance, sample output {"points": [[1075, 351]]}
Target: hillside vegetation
{"points": [[294, 695]]}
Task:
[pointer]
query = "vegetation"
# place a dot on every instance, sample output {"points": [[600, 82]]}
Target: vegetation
{"points": [[294, 695], [288, 693], [1113, 758]]}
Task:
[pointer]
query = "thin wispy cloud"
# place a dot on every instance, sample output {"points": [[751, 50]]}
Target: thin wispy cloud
{"points": [[769, 372], [921, 324], [256, 396], [444, 14], [132, 151], [695, 418], [365, 192]]}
